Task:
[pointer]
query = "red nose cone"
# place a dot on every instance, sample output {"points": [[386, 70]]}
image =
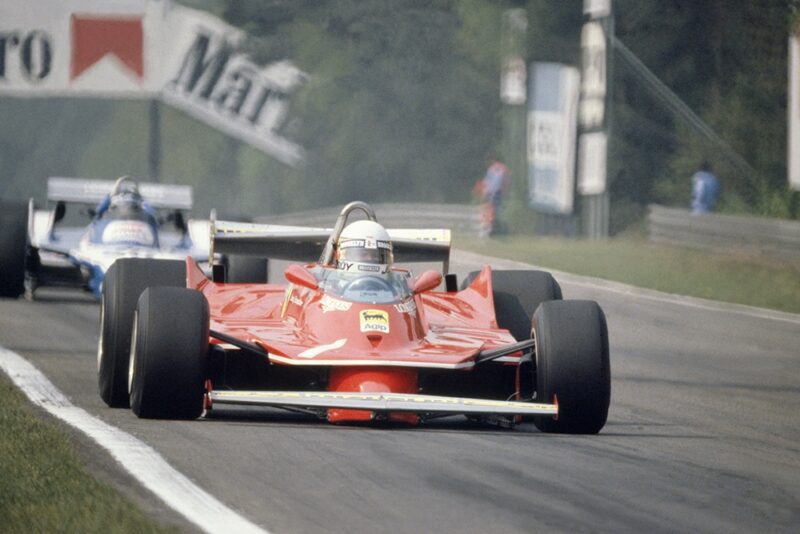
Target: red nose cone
{"points": [[372, 380]]}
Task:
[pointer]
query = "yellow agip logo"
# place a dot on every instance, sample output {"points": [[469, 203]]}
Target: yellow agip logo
{"points": [[374, 321]]}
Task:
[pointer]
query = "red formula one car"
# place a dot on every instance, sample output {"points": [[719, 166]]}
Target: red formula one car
{"points": [[352, 337]]}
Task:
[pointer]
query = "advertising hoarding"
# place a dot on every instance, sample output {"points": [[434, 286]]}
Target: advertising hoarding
{"points": [[552, 124], [147, 49]]}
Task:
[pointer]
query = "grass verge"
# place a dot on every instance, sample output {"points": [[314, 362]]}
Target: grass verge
{"points": [[729, 277], [43, 484]]}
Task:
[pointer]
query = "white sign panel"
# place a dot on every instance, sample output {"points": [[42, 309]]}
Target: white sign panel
{"points": [[512, 83], [52, 47], [592, 150], [552, 123], [593, 82], [597, 8], [794, 111], [545, 131], [147, 49], [211, 82]]}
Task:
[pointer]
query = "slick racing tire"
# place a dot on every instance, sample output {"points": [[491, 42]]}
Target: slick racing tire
{"points": [[517, 294], [13, 247], [572, 365], [124, 282], [169, 354], [246, 270]]}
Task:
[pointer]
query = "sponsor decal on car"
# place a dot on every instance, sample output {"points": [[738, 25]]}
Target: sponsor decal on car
{"points": [[128, 232], [408, 307], [374, 321], [316, 351], [329, 303]]}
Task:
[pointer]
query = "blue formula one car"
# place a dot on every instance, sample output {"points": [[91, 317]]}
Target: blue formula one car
{"points": [[127, 220]]}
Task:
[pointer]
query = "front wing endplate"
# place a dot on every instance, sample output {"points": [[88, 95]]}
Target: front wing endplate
{"points": [[382, 402]]}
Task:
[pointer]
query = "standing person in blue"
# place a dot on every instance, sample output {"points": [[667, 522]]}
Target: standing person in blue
{"points": [[705, 189], [491, 189]]}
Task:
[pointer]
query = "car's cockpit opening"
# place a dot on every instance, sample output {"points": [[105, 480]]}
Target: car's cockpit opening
{"points": [[375, 288]]}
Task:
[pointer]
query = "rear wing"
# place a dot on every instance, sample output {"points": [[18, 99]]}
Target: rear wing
{"points": [[88, 191], [304, 244]]}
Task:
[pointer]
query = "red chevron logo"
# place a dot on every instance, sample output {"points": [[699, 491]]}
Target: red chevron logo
{"points": [[94, 37]]}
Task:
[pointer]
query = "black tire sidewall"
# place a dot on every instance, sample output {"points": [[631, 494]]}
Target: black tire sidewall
{"points": [[517, 295], [572, 365], [171, 354], [124, 282], [13, 248], [246, 269]]}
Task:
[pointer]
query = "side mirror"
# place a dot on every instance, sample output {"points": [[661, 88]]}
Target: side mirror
{"points": [[427, 281], [60, 211], [297, 274]]}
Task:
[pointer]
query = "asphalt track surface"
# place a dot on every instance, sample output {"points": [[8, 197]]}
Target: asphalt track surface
{"points": [[703, 435]]}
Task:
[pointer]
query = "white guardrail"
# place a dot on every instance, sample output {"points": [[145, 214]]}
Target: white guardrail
{"points": [[457, 217], [773, 237]]}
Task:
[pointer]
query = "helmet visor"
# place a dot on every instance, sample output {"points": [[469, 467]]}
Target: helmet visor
{"points": [[367, 255], [366, 251]]}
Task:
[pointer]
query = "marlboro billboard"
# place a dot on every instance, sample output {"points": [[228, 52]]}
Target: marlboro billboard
{"points": [[147, 49]]}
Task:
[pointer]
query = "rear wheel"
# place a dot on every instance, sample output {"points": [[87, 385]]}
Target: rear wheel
{"points": [[517, 294], [13, 247], [124, 282], [169, 354], [572, 365], [246, 270]]}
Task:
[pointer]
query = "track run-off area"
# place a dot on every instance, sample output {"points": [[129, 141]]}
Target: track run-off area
{"points": [[703, 436]]}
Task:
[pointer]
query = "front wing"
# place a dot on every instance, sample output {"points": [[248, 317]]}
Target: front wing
{"points": [[382, 402]]}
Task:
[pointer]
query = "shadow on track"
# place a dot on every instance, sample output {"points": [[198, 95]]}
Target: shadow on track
{"points": [[456, 424]]}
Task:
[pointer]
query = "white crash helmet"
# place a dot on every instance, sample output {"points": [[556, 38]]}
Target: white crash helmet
{"points": [[364, 246]]}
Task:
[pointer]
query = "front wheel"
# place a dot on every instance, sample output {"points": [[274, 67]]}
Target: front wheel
{"points": [[124, 282], [572, 365], [169, 354]]}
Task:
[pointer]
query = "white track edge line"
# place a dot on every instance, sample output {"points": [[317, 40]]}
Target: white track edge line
{"points": [[143, 462], [478, 260]]}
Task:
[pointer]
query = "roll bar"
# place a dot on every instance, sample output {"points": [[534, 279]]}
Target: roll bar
{"points": [[341, 220]]}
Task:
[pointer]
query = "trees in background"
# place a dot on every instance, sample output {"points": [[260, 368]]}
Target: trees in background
{"points": [[402, 102], [728, 62], [403, 105], [404, 97]]}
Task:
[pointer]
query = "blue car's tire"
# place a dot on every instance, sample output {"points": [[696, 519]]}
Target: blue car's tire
{"points": [[124, 282], [169, 354], [13, 247]]}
